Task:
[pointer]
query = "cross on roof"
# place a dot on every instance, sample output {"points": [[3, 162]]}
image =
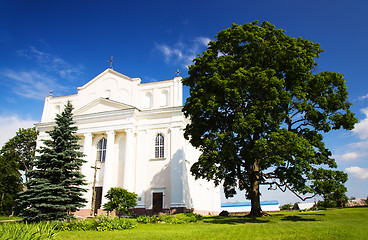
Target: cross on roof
{"points": [[110, 61], [177, 72]]}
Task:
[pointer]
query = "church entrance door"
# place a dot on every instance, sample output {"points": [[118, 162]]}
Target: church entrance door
{"points": [[98, 199], [157, 202]]}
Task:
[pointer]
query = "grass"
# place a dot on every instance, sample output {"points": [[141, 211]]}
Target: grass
{"points": [[9, 218], [329, 224], [25, 231]]}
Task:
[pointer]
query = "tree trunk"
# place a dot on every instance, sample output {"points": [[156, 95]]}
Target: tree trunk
{"points": [[254, 193]]}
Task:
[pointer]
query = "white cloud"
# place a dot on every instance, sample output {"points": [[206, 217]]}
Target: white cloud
{"points": [[361, 128], [360, 173], [350, 156], [351, 152], [203, 40], [52, 63], [9, 125], [37, 84], [363, 97], [359, 145], [182, 53], [31, 84]]}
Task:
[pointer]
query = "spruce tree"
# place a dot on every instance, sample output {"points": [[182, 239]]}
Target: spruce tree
{"points": [[55, 185]]}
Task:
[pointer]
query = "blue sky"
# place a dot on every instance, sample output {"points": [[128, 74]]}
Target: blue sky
{"points": [[61, 45]]}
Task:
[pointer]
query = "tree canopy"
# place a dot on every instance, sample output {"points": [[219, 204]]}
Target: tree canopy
{"points": [[16, 154], [120, 200], [258, 108], [22, 147], [55, 185], [10, 181]]}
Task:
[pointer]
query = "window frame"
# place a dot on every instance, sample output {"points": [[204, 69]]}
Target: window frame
{"points": [[101, 150], [159, 146]]}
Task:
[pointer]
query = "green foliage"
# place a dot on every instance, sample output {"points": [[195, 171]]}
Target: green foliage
{"points": [[286, 207], [295, 206], [258, 109], [26, 231], [54, 187], [22, 148], [16, 154], [120, 200], [330, 204], [147, 219], [100, 223], [170, 219], [10, 183]]}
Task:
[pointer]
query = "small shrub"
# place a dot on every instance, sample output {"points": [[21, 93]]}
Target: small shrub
{"points": [[147, 219], [170, 219], [295, 206], [100, 223], [286, 207], [120, 200]]}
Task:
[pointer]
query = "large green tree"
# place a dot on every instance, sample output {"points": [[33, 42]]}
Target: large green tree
{"points": [[22, 148], [258, 108], [10, 181], [16, 154], [55, 185]]}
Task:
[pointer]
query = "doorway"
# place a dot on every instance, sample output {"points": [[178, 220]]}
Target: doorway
{"points": [[98, 198], [157, 202]]}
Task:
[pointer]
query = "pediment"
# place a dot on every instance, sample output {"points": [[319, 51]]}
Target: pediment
{"points": [[108, 73], [102, 105]]}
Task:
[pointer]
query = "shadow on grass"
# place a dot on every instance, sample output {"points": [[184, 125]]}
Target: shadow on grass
{"points": [[234, 220], [298, 219]]}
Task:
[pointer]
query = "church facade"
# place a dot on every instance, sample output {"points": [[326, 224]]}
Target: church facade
{"points": [[132, 137]]}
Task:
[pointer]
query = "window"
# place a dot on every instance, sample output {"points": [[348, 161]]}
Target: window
{"points": [[101, 150], [159, 146], [148, 100], [164, 98]]}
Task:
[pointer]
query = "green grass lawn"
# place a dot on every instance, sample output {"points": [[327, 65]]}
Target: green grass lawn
{"points": [[329, 224]]}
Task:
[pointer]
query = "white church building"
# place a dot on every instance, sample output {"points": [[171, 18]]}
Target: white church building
{"points": [[133, 133]]}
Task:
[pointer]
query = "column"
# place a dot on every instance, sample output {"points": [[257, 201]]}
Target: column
{"points": [[110, 169], [87, 157], [140, 170], [178, 173], [129, 182], [178, 92], [86, 167]]}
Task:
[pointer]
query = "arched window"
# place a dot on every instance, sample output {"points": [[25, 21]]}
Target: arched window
{"points": [[101, 150], [57, 109], [159, 146], [164, 98], [148, 100]]}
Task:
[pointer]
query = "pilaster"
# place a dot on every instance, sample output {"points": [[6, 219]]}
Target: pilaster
{"points": [[110, 170], [129, 168], [178, 173]]}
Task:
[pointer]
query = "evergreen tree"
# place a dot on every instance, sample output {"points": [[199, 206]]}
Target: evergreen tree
{"points": [[55, 185]]}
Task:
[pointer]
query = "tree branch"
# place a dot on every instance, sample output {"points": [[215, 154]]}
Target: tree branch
{"points": [[280, 186]]}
